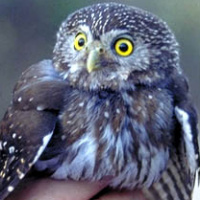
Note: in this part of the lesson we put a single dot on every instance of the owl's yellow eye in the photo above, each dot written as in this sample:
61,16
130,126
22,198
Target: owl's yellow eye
80,41
124,47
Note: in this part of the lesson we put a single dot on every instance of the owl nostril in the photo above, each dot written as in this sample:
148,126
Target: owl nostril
101,50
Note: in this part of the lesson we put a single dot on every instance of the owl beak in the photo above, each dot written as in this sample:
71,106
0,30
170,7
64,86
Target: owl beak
93,60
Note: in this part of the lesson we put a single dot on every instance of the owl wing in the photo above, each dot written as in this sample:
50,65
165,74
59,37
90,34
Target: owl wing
29,123
180,181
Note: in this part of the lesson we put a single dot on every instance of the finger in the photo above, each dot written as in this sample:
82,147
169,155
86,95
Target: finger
136,195
48,189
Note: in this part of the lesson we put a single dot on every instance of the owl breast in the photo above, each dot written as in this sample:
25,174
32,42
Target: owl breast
124,135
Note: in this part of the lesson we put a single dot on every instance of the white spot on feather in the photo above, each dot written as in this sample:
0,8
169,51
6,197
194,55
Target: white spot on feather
19,99
11,126
5,143
150,97
40,108
106,114
81,104
31,99
11,149
10,188
19,137
63,137
20,174
118,111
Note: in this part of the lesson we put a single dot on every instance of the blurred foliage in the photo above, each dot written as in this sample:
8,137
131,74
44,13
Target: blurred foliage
28,29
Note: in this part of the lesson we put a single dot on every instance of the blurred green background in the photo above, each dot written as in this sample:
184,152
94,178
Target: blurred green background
28,29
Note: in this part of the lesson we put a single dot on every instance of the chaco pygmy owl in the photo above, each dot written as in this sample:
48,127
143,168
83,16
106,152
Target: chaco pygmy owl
112,102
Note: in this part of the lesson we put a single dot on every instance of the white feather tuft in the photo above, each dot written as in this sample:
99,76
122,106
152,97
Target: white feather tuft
183,119
196,189
43,146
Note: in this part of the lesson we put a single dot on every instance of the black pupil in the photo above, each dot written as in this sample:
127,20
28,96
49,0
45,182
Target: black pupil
123,47
81,42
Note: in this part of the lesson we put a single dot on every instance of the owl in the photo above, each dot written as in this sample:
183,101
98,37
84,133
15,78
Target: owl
112,102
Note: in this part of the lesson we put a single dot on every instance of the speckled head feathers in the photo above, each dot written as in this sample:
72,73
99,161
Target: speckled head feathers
104,17
155,46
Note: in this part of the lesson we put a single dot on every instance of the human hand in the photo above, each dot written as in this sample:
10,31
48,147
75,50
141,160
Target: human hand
48,189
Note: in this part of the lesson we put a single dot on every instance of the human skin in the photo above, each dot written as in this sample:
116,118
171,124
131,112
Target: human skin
48,189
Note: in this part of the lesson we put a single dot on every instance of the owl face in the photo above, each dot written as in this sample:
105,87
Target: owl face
113,46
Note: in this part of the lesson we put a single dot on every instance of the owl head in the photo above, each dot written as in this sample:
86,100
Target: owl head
114,46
